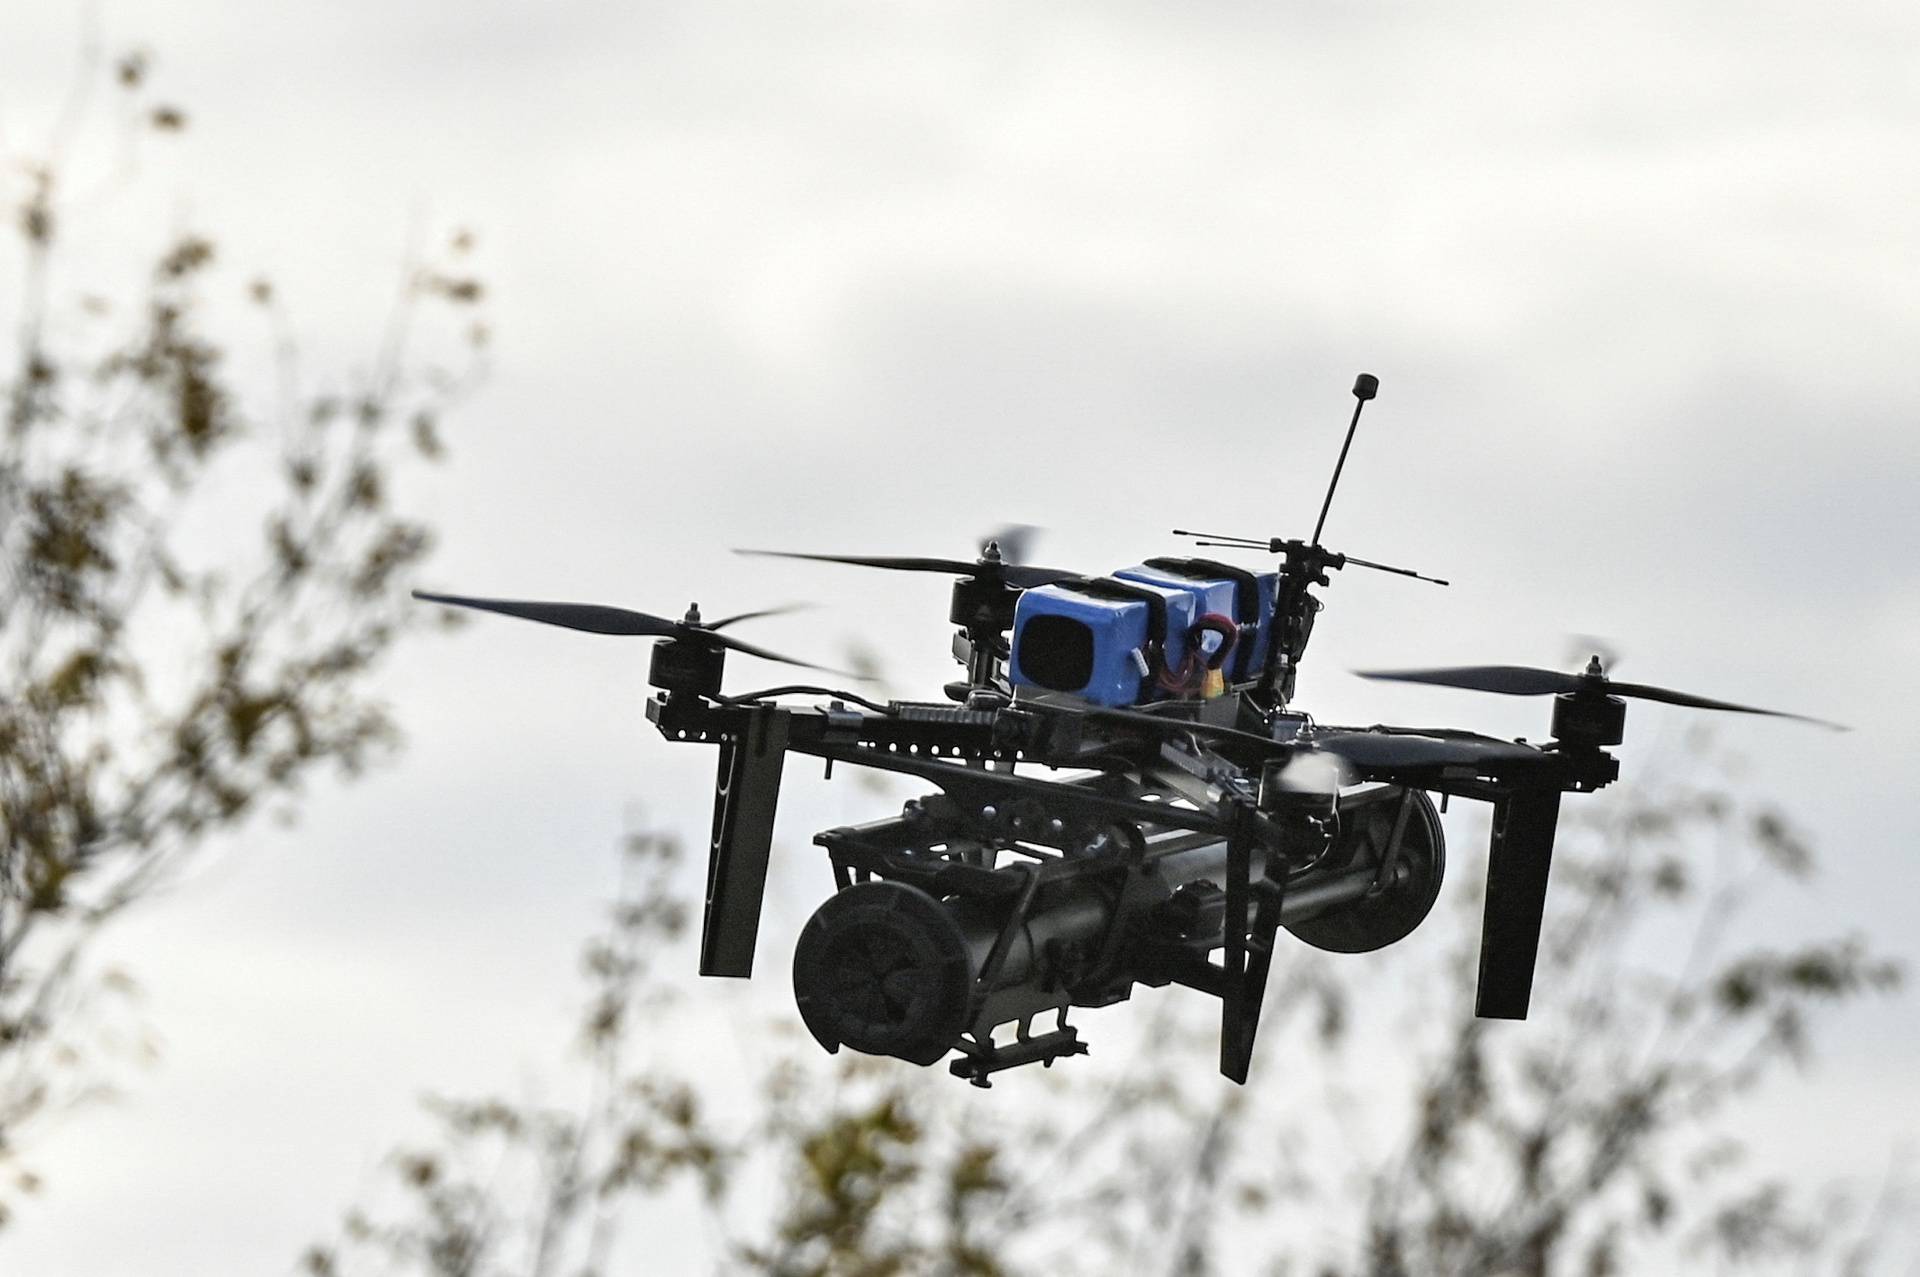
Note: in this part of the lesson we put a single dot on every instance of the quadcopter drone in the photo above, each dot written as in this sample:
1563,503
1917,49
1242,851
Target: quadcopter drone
1122,794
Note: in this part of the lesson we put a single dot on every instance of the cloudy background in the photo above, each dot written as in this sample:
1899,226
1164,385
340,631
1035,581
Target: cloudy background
1638,280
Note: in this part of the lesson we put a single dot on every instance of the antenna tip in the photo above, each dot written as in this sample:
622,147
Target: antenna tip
1365,386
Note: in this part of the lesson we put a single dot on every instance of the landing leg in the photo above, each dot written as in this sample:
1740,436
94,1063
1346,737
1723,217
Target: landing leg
1252,921
744,799
1521,853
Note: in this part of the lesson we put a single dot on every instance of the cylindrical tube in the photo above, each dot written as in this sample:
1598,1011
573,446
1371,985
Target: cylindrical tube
888,969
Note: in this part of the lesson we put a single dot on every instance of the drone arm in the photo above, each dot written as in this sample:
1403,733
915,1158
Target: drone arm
1521,852
745,796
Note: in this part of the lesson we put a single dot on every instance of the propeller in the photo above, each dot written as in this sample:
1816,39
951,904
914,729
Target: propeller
594,618
1523,680
990,565
1578,646
1014,540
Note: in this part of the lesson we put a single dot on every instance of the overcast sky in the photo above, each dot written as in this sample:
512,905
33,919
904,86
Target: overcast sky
1638,280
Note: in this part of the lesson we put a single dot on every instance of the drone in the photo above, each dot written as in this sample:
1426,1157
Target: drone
1122,794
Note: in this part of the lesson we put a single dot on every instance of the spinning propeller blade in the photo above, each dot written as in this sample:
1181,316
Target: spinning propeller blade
1014,540
1508,680
1024,576
594,618
1522,680
590,617
897,562
725,621
1642,691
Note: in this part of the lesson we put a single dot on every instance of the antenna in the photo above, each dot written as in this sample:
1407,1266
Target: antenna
1365,387
1385,567
1305,559
1225,538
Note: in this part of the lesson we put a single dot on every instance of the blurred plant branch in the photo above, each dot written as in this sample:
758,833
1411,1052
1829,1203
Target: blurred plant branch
193,589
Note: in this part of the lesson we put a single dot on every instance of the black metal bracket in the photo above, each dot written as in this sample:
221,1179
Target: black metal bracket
946,843
981,1058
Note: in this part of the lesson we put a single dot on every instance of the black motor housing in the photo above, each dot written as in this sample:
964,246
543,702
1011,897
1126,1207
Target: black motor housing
1389,915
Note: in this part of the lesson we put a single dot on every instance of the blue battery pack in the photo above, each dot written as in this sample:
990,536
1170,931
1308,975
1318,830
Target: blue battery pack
1095,639
1244,597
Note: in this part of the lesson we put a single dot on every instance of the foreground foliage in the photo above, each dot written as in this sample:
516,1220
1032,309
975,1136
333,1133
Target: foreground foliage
198,557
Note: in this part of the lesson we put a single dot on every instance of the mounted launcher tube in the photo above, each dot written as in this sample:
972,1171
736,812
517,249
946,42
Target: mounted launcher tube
889,967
